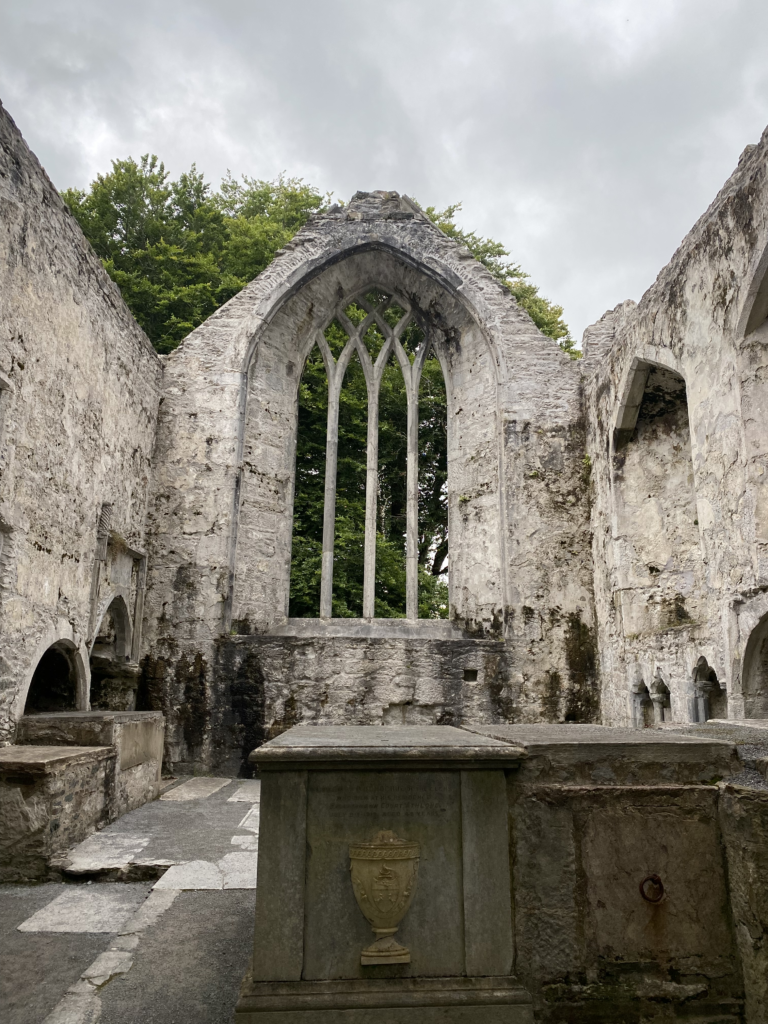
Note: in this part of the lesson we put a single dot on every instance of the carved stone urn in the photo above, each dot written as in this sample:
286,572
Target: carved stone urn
384,880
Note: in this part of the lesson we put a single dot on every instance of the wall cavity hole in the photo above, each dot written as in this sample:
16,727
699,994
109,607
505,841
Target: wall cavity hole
470,675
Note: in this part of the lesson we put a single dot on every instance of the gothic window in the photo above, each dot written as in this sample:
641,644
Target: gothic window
357,550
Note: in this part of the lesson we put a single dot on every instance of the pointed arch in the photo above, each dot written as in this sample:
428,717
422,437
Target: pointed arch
754,308
709,695
755,672
260,551
114,678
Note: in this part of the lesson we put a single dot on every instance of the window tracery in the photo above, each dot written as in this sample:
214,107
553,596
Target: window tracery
376,329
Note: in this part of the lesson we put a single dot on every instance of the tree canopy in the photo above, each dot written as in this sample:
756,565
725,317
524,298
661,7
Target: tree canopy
179,249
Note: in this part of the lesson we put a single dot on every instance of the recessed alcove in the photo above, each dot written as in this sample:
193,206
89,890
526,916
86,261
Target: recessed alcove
55,682
657,539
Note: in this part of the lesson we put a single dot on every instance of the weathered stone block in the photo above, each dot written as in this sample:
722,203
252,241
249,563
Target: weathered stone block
325,790
50,799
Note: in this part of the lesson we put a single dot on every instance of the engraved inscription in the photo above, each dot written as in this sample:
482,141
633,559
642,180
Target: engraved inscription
430,798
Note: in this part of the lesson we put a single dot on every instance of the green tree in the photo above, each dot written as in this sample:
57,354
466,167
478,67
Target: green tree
177,249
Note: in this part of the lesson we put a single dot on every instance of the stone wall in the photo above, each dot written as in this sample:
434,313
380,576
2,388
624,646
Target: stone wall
220,521
50,799
676,393
608,519
79,393
135,736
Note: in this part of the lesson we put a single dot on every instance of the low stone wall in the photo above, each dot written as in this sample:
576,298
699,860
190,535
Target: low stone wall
50,799
596,811
136,737
257,686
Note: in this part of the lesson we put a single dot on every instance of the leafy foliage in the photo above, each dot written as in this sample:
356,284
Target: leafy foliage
177,250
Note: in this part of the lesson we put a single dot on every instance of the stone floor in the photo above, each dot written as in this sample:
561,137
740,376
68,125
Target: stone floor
167,950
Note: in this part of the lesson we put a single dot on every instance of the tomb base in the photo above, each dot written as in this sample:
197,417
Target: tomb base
385,1001
384,833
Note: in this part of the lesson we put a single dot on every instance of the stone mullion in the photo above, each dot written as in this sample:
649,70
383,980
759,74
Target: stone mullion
335,374
329,505
412,500
372,478
371,497
411,376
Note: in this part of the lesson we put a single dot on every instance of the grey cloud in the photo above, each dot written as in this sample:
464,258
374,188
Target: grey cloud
587,135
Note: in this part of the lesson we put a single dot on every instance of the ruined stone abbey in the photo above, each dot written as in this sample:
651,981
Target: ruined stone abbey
608,517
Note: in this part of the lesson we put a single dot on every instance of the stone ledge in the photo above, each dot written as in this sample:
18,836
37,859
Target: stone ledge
353,747
46,760
368,994
600,754
584,737
385,629
91,716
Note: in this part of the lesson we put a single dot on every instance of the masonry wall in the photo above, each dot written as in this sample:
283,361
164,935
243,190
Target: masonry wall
79,393
221,515
680,512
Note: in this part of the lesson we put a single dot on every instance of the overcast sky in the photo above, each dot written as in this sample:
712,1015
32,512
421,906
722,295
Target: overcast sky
586,135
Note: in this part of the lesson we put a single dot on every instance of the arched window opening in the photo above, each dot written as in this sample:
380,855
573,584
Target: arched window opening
309,488
710,696
757,299
392,499
114,680
642,706
54,683
368,525
349,538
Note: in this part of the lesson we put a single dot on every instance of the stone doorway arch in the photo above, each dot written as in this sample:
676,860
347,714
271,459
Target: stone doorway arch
114,677
57,681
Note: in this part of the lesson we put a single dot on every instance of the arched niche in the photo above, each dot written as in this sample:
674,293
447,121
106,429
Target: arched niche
657,541
113,678
755,672
661,698
57,681
641,706
710,696
261,569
